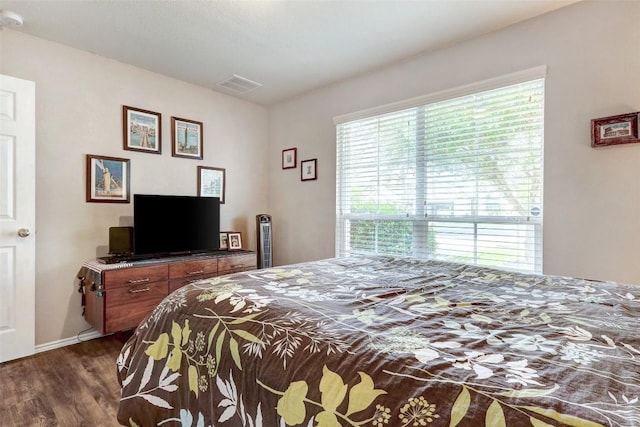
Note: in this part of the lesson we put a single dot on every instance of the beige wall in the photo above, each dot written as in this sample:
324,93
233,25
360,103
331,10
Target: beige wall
79,98
591,197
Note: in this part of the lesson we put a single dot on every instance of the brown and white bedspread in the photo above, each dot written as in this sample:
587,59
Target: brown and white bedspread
383,341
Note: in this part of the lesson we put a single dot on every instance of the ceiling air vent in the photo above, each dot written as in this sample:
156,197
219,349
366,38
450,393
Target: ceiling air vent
239,84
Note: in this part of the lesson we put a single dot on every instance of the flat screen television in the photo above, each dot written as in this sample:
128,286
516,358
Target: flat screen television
171,225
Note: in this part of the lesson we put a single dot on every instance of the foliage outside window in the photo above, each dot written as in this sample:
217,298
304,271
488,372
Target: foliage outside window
459,179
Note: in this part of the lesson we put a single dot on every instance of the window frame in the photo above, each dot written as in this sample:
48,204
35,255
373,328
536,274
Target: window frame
422,219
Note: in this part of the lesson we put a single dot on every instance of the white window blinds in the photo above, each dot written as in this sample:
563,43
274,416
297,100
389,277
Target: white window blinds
458,179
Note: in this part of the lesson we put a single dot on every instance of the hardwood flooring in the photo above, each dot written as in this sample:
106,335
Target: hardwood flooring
71,386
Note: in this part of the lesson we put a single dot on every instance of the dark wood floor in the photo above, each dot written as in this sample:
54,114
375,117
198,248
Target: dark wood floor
70,386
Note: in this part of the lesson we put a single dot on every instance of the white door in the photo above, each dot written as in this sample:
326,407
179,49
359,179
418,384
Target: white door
17,218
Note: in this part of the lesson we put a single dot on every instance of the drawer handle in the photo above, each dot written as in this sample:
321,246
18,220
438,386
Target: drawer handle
196,272
237,265
137,291
133,282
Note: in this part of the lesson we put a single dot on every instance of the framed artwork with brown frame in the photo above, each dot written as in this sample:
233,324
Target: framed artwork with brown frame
211,182
614,130
235,240
289,158
309,170
224,240
186,138
141,130
107,179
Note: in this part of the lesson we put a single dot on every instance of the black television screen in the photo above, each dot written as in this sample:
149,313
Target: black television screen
175,224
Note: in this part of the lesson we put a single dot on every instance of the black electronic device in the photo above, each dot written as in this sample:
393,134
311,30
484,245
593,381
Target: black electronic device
170,225
120,241
115,259
264,238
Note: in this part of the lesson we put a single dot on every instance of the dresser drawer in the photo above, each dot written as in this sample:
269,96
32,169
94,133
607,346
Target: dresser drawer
178,283
193,268
132,294
234,263
124,317
134,276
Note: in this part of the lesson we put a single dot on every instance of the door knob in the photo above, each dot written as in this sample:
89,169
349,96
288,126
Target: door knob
24,232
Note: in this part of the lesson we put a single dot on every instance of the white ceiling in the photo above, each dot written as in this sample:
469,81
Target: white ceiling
289,47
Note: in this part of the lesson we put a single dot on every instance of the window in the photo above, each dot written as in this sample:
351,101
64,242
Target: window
457,179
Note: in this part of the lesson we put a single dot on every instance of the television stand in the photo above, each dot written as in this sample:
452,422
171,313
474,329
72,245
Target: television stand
118,296
119,259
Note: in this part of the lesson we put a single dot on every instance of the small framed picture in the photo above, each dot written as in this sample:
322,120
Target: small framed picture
211,182
235,240
186,138
613,130
289,160
141,130
309,169
107,179
224,240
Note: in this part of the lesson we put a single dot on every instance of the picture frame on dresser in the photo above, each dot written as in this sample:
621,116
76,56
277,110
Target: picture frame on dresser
186,138
107,179
235,240
141,130
224,241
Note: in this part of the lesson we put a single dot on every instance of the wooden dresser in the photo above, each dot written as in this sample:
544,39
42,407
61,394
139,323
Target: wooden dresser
119,297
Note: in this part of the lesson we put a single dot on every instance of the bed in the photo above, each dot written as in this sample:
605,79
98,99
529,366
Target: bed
386,341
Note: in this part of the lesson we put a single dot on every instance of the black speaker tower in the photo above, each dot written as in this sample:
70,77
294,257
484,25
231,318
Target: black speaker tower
264,238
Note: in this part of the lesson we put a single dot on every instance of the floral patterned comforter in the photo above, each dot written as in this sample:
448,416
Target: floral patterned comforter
383,341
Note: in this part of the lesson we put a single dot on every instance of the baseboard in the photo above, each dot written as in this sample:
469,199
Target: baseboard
68,341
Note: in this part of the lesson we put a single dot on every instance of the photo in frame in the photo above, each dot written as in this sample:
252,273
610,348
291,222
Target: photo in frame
224,240
211,182
186,138
141,130
289,160
107,179
235,240
614,130
309,169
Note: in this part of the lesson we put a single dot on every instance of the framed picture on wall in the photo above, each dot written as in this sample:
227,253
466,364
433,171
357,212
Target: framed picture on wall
235,240
107,179
186,138
211,182
309,169
141,130
289,160
613,130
